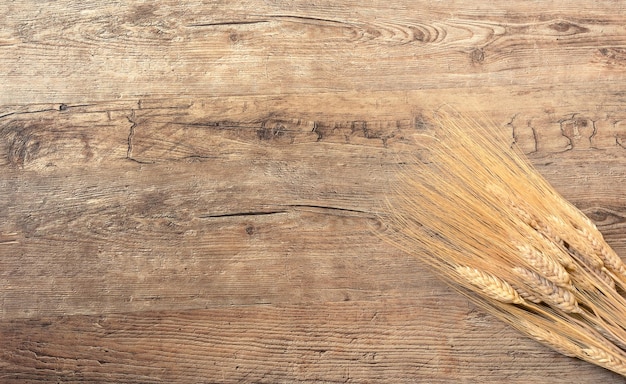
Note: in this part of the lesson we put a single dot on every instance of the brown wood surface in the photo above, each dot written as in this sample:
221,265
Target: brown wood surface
189,190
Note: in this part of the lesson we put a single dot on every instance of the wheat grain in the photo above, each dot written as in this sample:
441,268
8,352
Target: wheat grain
606,254
519,209
525,216
544,265
577,246
524,213
490,285
603,274
559,253
593,279
549,292
605,359
524,294
555,341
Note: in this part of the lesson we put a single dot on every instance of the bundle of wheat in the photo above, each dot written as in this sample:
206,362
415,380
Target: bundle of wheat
481,217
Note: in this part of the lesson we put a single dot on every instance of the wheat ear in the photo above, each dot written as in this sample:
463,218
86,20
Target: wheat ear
545,265
490,285
481,217
549,292
608,360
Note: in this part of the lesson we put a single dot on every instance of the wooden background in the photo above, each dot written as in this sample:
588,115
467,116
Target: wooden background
189,189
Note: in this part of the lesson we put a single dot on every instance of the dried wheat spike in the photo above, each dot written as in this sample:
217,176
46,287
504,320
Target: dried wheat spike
545,265
523,212
578,247
606,254
524,215
490,285
518,208
560,254
577,217
590,260
555,341
549,292
604,275
609,336
524,294
582,281
480,215
605,359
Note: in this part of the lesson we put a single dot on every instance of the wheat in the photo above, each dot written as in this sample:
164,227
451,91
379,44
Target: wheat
605,359
593,279
578,247
604,275
549,292
490,285
554,340
606,254
546,266
484,220
526,295
560,254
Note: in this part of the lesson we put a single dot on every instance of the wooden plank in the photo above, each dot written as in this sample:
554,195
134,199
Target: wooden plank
190,190
65,51
388,340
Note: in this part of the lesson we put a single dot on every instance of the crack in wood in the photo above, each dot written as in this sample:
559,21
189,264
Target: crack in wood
330,208
131,136
227,23
27,112
237,214
307,19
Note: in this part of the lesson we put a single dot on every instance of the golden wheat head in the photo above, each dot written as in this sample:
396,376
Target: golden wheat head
482,218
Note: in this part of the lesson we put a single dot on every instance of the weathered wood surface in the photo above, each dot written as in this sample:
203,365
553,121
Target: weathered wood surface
190,189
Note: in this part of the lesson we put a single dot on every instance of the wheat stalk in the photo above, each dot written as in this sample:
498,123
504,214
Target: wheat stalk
482,218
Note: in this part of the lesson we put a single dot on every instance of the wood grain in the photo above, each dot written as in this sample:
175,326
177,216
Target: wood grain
68,49
377,341
191,189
